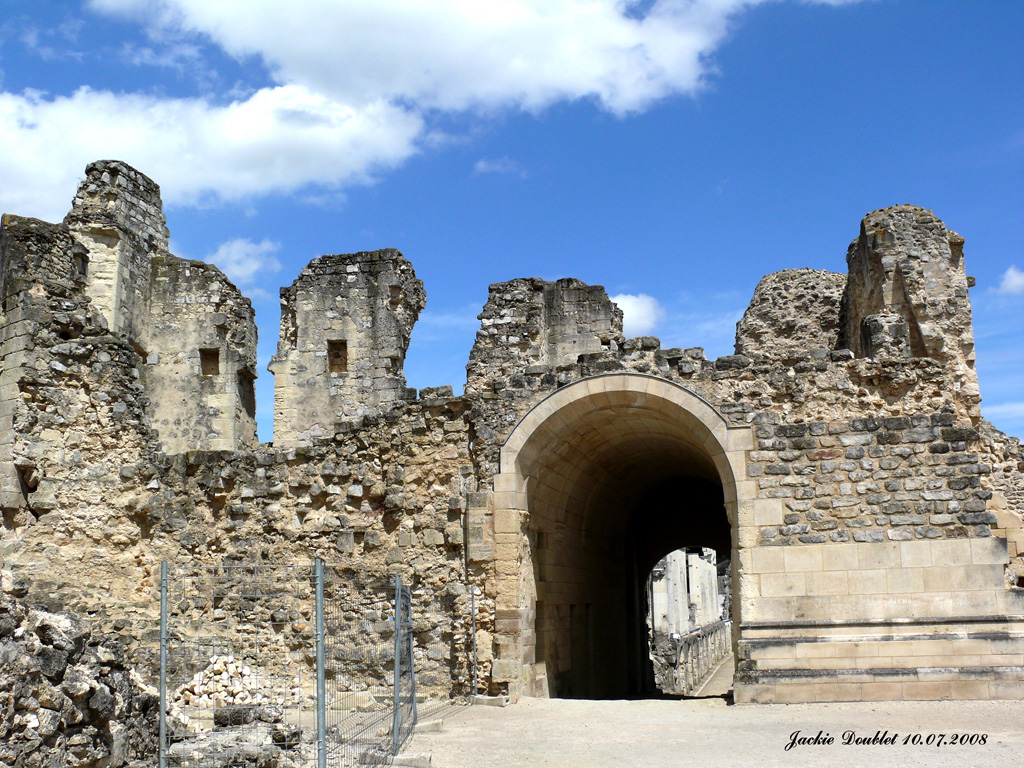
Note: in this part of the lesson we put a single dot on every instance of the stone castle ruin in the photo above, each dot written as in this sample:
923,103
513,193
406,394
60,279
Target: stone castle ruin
838,459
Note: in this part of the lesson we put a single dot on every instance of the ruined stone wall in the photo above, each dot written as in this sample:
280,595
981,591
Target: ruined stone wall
861,465
388,499
345,327
78,449
201,363
118,222
529,327
72,391
68,695
77,410
819,412
856,449
792,312
1006,481
384,498
27,247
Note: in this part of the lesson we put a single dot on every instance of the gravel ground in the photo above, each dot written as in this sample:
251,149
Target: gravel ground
710,733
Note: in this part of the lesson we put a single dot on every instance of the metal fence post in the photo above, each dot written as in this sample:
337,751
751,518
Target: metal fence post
412,668
396,725
163,664
472,609
321,687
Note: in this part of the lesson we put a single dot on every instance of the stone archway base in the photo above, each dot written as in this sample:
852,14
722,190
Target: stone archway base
815,620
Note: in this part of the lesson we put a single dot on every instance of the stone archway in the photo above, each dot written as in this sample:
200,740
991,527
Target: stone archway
571,541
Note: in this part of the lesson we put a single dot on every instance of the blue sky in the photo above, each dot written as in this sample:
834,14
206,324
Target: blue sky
671,150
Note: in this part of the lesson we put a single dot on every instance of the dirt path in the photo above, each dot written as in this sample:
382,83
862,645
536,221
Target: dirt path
710,733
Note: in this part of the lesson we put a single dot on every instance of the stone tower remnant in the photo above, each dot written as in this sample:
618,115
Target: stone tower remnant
530,325
345,328
907,293
190,335
119,228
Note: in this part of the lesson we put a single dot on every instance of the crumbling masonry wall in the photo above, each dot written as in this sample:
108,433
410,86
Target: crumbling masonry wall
907,293
119,227
530,325
345,328
68,695
791,312
175,313
872,517
201,365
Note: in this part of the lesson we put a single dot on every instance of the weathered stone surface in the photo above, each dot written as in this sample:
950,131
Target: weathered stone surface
531,323
792,312
854,443
906,296
67,695
345,328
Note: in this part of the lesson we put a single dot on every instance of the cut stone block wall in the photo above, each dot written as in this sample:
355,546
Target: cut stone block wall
914,619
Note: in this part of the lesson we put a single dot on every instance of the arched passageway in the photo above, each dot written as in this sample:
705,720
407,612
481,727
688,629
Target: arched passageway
616,472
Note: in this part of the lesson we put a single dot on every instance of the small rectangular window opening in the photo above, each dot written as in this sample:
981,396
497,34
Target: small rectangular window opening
81,266
209,362
337,357
247,391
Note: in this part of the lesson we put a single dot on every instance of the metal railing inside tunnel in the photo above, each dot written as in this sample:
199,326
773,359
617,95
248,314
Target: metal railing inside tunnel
698,652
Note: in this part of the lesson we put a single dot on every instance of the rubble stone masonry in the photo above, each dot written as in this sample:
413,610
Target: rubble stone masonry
873,518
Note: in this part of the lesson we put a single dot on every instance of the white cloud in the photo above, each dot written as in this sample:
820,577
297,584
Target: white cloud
459,54
641,313
178,56
35,41
352,86
244,261
278,140
185,59
1012,282
501,165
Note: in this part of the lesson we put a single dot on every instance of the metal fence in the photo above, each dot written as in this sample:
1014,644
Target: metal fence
237,646
272,666
370,705
698,652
